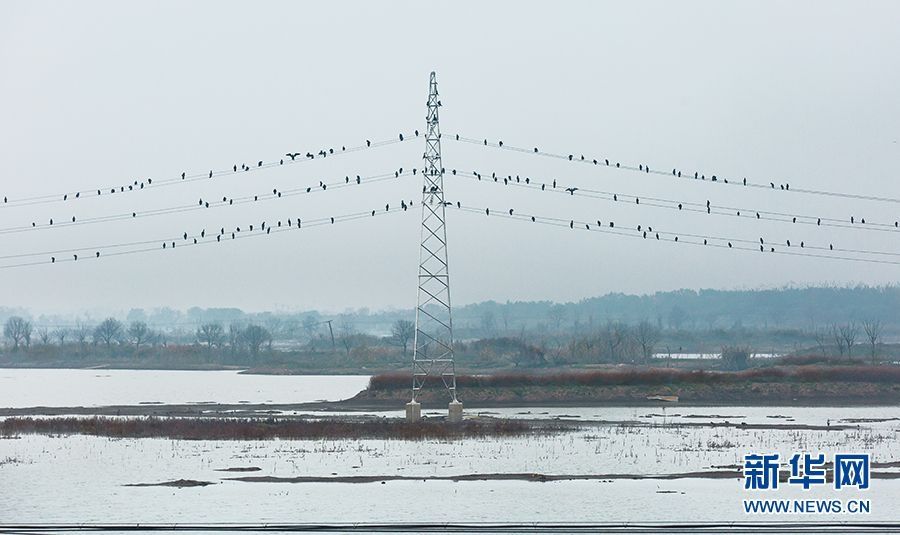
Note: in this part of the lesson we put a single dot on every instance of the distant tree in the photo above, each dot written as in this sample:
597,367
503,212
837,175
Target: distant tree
110,330
44,335
849,333
488,323
235,338
346,333
255,336
211,334
61,334
18,331
838,336
677,317
821,337
81,332
646,335
138,333
873,334
557,315
402,332
310,326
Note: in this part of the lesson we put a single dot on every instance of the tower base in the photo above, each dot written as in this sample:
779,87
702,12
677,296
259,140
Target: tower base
455,414
413,411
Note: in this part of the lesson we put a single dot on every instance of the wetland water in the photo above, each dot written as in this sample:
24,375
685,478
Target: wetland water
626,449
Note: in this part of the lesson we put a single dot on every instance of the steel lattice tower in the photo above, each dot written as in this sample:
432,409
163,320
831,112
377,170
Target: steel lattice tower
433,342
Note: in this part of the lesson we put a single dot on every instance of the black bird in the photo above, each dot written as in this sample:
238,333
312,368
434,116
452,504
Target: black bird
615,197
607,161
794,220
535,149
532,219
570,157
729,245
235,168
98,252
851,219
612,224
487,211
772,184
572,224
571,190
679,206
292,155
133,214
417,133
73,219
554,183
332,221
368,143
510,211
259,164
745,181
543,187
831,246
52,259
819,221
182,176
458,204
75,256
210,174
401,137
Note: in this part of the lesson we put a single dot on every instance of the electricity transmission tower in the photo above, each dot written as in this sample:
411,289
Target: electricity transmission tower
433,342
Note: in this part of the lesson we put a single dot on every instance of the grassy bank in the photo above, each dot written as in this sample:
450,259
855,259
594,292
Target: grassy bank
816,385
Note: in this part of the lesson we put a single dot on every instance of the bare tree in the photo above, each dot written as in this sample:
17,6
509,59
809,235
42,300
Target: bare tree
44,335
402,332
61,334
873,334
646,335
488,323
109,331
18,331
211,334
138,333
346,333
557,315
837,335
849,333
81,332
255,336
821,337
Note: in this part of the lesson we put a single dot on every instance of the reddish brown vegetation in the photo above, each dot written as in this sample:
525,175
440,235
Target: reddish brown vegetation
263,428
659,376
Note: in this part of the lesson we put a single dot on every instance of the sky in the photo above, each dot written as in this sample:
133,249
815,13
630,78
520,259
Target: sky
105,93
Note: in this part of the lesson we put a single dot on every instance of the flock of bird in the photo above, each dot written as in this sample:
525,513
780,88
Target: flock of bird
657,202
676,173
431,191
185,177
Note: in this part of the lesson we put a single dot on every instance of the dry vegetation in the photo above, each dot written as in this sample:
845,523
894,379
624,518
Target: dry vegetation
268,428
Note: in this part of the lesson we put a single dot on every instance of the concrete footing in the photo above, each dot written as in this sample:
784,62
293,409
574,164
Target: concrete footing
455,413
413,411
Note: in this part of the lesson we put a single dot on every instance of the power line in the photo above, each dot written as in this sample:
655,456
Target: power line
553,186
207,204
148,183
203,238
673,237
675,173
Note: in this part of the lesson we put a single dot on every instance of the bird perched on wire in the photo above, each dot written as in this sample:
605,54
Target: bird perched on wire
571,190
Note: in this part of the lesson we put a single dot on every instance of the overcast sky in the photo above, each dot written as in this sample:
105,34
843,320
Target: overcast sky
103,93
